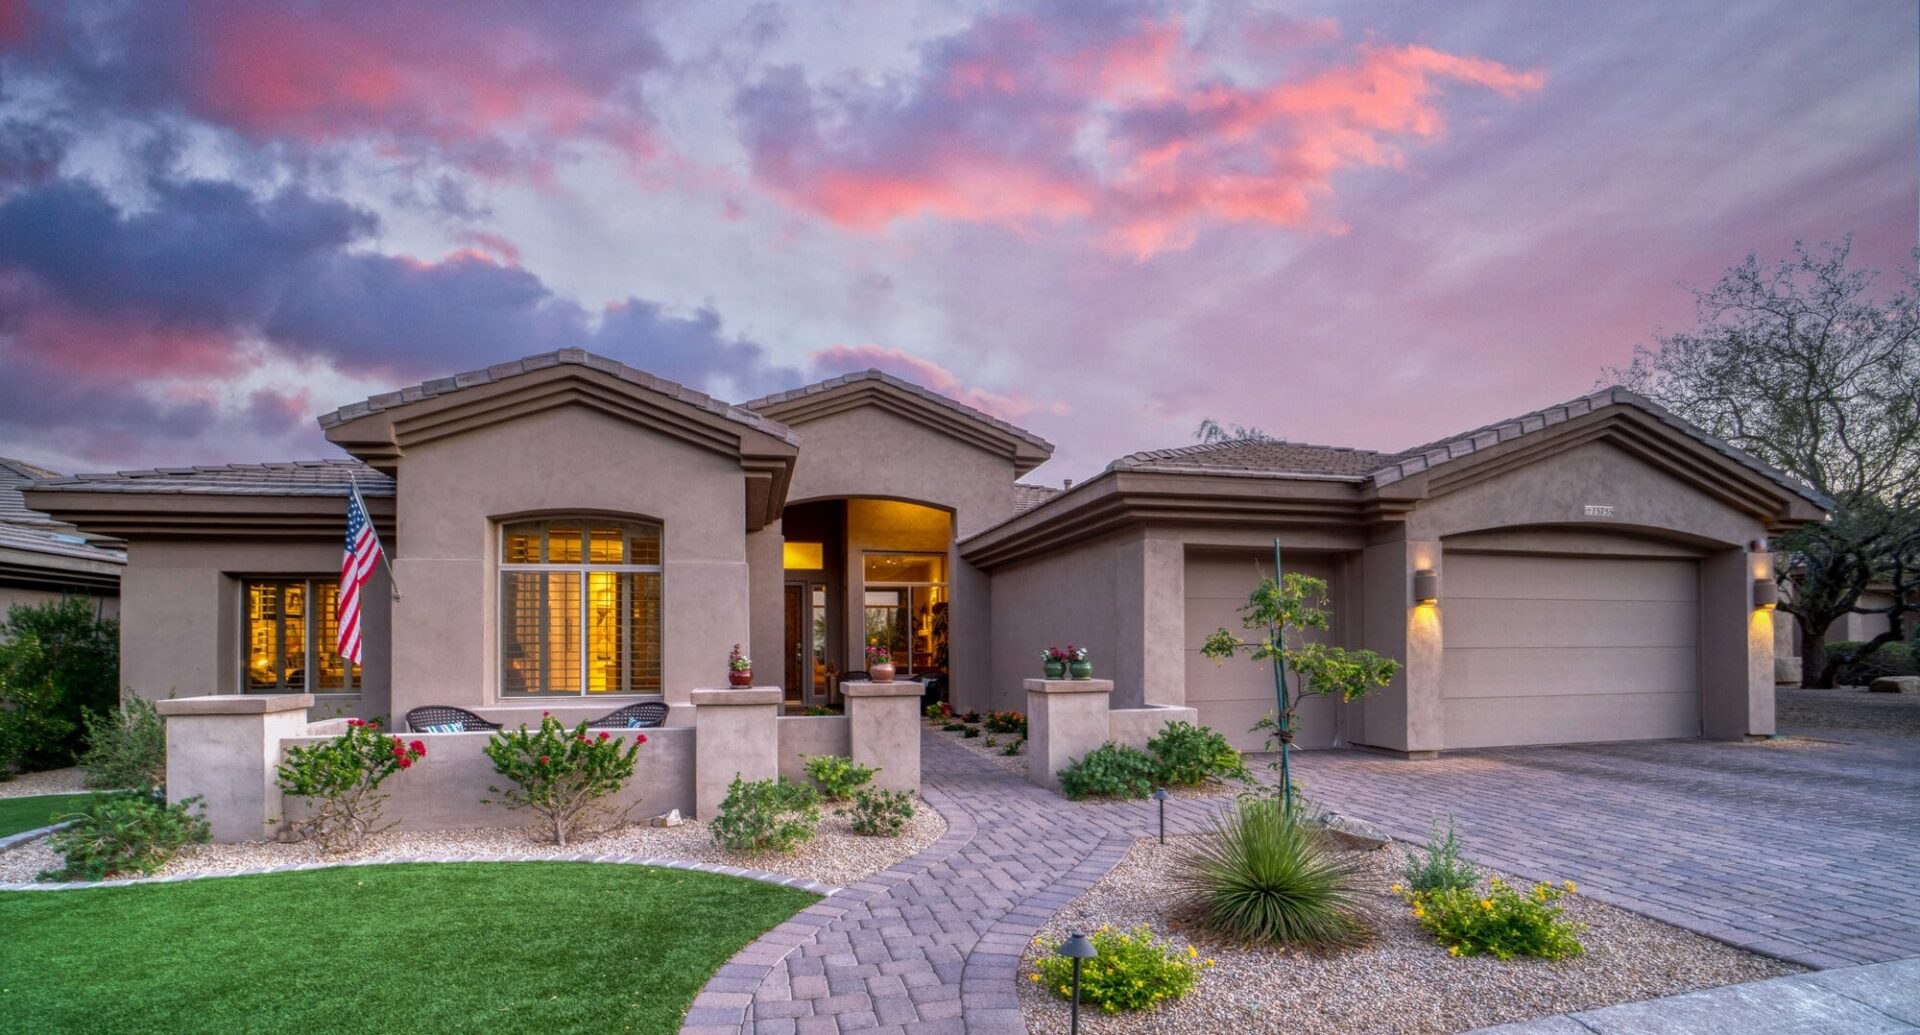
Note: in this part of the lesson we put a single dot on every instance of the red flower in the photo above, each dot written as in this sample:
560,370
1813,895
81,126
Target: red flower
405,762
545,714
419,748
641,739
399,752
355,722
604,734
373,724
543,759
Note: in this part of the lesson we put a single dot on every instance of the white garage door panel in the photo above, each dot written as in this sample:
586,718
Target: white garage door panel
1568,623
1502,722
1521,672
1562,650
1507,577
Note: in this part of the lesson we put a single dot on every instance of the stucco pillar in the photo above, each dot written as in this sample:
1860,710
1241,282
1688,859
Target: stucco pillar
1736,647
1150,604
1408,715
1066,718
885,721
767,608
226,749
736,734
969,636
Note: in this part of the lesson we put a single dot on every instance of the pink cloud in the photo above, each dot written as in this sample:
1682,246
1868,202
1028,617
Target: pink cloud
839,359
1126,125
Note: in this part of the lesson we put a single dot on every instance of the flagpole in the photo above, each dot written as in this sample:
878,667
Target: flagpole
393,584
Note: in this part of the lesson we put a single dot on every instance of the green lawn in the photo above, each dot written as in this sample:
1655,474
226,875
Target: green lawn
17,814
450,947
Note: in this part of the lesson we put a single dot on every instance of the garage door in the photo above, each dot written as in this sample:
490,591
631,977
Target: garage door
1560,650
1232,697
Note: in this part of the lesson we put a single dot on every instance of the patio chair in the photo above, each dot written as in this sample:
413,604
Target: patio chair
435,718
645,715
855,677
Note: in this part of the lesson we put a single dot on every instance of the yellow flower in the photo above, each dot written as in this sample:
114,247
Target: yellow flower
1035,977
1453,950
1210,963
1396,889
1192,952
1569,886
1486,903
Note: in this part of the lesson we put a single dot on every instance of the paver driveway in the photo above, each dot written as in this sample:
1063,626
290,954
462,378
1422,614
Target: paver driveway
1810,853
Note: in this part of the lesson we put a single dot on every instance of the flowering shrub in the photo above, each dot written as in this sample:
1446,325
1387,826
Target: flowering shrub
341,779
738,662
1505,921
1132,972
1007,722
1054,654
1190,755
564,776
879,656
1109,771
939,711
972,717
878,812
766,814
837,775
133,832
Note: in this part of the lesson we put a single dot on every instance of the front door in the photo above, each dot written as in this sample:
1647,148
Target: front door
795,643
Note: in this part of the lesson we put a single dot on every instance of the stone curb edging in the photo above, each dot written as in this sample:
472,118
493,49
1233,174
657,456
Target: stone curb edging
722,1004
13,841
826,891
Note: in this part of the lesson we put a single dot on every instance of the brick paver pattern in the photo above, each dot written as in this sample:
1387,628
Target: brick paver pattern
1809,853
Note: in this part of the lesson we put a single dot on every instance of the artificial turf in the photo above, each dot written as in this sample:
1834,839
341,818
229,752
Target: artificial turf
18,814
432,947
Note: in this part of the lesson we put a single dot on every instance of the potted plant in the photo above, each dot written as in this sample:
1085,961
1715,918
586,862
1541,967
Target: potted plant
739,668
880,664
1053,662
1078,665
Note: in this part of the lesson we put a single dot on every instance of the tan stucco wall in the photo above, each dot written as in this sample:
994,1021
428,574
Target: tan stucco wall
181,616
1231,696
801,736
574,460
1072,595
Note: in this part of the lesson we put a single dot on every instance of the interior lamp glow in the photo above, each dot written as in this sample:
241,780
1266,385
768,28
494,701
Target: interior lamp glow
802,556
1426,586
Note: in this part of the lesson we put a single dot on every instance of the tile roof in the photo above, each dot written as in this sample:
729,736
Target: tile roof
1027,496
576,357
22,528
1271,458
292,478
928,394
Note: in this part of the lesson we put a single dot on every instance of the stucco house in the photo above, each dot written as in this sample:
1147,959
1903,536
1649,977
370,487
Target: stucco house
44,560
568,534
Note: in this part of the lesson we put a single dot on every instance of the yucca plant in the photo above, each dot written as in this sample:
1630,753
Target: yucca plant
1260,876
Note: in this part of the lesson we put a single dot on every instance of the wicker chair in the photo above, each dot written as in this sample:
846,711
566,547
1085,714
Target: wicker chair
442,714
650,714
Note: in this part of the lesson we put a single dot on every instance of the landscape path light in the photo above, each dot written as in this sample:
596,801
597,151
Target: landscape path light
1078,949
1160,795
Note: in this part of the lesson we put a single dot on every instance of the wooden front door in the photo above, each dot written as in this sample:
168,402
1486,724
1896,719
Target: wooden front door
794,644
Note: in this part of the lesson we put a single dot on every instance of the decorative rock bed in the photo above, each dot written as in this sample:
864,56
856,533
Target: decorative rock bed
1401,981
54,781
834,856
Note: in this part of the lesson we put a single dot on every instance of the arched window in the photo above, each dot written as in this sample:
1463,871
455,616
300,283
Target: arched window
579,608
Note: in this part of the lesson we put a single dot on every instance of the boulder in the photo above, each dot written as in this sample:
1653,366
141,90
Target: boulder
671,819
1895,685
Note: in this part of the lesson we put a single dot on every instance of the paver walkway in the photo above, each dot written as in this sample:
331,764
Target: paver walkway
916,946
1807,853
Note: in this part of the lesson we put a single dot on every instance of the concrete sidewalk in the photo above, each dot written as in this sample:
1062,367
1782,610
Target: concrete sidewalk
1867,1000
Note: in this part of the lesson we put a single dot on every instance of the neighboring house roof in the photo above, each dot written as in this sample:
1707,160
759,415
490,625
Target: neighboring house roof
441,386
37,548
847,391
291,478
1258,458
1027,496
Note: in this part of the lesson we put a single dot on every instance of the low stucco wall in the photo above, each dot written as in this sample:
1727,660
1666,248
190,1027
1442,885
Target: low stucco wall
811,735
1135,726
444,792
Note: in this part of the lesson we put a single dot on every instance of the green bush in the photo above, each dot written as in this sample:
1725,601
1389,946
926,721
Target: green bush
1006,722
58,662
760,815
878,812
1503,922
341,778
953,727
1189,755
969,732
1441,868
1109,771
837,776
1014,748
563,776
1132,972
128,747
971,717
124,834
1890,659
938,711
1260,876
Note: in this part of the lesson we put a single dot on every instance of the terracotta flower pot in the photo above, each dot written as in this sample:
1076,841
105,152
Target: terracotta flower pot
881,673
735,678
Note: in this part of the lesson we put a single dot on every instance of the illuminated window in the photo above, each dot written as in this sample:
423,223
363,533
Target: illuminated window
291,629
579,608
802,556
906,608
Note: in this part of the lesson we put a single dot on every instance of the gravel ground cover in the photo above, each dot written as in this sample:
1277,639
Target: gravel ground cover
53,781
1847,709
1400,982
836,855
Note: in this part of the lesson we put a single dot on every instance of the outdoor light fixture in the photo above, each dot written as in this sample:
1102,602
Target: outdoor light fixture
1766,594
1160,795
1078,949
1426,586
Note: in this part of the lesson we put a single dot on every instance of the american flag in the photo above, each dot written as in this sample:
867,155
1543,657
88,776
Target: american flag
363,552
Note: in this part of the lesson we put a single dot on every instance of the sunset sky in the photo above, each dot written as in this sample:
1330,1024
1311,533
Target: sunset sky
1365,223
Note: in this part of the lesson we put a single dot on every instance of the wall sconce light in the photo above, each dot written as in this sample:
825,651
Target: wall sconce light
1426,586
1766,594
